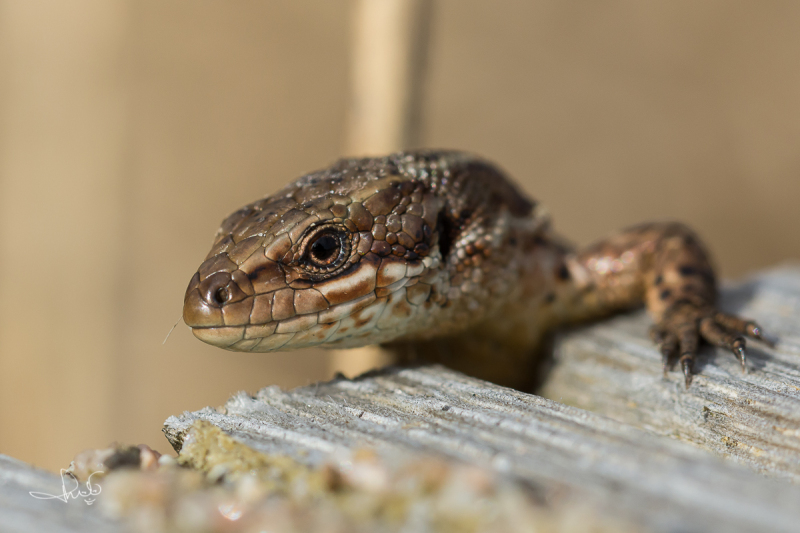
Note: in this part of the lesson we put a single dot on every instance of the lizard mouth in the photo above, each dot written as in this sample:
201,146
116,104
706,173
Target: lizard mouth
224,308
345,325
263,337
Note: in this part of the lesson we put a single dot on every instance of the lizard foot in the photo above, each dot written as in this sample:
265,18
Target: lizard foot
684,324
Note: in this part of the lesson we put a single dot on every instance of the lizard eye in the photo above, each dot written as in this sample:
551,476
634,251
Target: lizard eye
327,249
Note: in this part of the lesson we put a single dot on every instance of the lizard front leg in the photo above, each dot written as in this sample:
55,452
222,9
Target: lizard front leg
665,266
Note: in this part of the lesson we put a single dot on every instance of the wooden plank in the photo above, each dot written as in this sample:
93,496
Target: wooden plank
389,51
542,461
658,483
613,368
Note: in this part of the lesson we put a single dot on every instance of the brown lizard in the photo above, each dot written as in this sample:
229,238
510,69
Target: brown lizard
438,256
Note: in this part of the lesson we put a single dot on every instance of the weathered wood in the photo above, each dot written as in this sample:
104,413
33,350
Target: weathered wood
569,458
659,483
614,369
21,512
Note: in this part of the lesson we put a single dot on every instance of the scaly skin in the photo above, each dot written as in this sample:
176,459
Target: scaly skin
437,256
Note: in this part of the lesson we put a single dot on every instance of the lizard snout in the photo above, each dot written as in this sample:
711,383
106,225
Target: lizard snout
215,299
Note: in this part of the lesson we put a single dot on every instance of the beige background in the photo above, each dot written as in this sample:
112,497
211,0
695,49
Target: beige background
129,129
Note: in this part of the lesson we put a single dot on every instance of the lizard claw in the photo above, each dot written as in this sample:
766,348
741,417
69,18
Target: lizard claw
738,351
756,332
668,344
685,325
686,366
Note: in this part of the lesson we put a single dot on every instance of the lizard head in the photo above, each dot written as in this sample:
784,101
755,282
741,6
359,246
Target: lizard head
344,257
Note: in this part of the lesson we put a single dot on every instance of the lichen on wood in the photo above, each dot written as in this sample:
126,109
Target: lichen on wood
562,453
429,449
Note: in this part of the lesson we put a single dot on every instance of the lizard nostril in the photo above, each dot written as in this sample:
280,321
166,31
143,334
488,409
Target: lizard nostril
221,295
220,289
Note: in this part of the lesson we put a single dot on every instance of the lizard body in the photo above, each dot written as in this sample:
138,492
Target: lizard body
438,256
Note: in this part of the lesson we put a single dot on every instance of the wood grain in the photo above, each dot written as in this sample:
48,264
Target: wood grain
665,459
632,464
612,368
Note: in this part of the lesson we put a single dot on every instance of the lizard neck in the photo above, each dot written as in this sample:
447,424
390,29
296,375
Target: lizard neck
503,345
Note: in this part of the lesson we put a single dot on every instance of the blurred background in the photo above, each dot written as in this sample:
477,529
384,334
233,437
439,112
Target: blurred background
130,129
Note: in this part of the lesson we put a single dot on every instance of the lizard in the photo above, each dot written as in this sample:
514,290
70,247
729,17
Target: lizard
438,256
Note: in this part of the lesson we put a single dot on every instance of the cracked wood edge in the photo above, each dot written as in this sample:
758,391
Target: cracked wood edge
563,451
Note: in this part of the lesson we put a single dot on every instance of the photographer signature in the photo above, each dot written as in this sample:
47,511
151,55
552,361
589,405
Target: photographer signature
75,492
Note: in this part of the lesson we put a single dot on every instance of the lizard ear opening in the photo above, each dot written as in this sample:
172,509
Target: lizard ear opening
445,230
